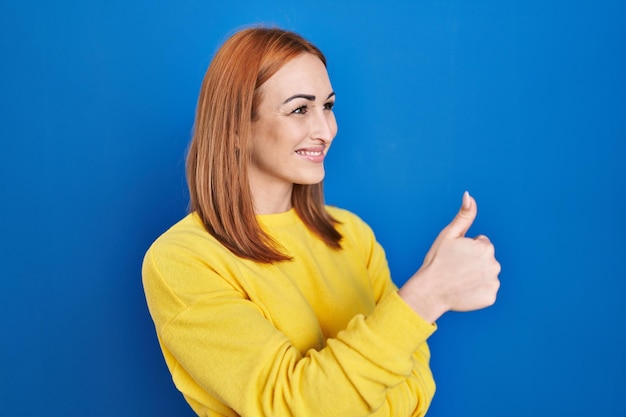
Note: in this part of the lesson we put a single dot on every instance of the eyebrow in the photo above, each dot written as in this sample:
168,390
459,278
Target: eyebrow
306,97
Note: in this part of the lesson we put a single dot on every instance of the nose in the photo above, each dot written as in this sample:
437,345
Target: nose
323,126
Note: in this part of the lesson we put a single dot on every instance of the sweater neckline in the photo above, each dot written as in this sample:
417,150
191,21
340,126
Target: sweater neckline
285,218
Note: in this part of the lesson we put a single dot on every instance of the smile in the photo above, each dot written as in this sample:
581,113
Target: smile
309,153
314,155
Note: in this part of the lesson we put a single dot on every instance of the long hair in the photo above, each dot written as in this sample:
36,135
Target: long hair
219,153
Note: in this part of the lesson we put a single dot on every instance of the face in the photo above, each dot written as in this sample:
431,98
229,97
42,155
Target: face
294,128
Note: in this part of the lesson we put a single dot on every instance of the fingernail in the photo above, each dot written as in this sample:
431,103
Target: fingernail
466,200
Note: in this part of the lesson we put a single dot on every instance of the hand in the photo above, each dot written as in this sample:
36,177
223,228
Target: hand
458,273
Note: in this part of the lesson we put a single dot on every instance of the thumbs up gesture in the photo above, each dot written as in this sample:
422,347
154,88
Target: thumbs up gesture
458,273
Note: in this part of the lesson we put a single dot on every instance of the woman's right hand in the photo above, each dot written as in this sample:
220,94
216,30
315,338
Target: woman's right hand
458,273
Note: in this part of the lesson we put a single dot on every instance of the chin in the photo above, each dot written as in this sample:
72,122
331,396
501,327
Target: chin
310,180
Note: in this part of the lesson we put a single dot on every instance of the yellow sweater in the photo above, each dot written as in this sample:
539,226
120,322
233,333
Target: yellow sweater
323,335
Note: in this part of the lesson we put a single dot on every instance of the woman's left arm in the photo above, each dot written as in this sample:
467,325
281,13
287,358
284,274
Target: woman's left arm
420,387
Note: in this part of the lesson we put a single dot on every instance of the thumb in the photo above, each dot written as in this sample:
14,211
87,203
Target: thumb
463,219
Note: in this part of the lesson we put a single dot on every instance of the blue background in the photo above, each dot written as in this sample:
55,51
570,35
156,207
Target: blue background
521,102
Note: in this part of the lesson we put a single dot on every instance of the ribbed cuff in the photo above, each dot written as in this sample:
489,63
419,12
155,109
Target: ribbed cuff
397,323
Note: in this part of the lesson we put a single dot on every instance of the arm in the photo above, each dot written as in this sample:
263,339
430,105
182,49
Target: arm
226,349
419,388
458,274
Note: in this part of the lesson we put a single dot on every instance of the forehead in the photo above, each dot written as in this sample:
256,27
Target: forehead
303,74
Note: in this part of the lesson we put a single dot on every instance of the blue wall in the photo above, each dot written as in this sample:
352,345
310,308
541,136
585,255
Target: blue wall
523,103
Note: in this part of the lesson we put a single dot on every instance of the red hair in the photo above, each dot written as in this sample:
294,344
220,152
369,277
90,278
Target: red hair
217,162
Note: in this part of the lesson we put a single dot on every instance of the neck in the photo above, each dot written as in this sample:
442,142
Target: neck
268,200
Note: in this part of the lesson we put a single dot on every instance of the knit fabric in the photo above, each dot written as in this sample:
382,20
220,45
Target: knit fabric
325,334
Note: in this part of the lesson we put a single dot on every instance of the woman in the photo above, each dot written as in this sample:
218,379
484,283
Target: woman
267,302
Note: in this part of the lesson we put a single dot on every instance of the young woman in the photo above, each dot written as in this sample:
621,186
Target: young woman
266,302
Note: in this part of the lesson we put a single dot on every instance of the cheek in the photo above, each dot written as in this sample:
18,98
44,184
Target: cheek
260,145
271,141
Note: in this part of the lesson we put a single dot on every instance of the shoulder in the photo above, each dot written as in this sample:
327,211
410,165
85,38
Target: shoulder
359,239
186,261
188,232
350,224
185,243
342,215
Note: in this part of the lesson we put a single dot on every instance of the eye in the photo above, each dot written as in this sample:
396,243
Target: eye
329,105
300,110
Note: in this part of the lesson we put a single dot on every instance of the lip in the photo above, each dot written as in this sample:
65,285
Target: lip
314,154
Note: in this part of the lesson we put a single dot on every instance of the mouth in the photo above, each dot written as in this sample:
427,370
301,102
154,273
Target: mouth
315,154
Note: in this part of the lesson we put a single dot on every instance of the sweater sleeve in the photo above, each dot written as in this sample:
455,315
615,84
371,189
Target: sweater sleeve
222,346
420,385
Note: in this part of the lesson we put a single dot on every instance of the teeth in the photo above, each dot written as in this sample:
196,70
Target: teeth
309,153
